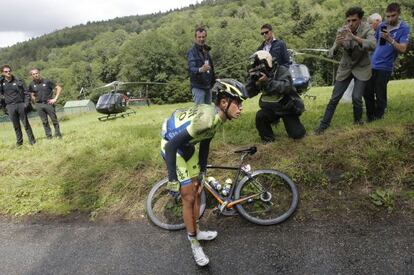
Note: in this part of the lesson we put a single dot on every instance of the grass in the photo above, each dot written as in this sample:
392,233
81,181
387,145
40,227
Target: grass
107,168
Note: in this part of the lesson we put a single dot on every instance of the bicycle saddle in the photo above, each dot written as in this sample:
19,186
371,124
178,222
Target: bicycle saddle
250,150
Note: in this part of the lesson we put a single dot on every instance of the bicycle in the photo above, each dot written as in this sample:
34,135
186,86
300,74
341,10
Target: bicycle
264,197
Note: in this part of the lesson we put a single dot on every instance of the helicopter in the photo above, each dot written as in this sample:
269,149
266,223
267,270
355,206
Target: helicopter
114,104
300,72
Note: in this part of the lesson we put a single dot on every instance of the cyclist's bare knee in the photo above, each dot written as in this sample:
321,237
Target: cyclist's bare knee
187,194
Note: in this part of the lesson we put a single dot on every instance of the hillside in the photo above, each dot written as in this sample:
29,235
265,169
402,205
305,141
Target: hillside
104,170
153,47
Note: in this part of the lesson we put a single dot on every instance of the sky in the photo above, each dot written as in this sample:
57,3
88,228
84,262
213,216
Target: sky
32,18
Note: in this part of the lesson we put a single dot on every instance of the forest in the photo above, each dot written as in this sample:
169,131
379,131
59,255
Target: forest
153,47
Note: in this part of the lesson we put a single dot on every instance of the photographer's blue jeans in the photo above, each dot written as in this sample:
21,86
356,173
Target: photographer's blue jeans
337,93
201,96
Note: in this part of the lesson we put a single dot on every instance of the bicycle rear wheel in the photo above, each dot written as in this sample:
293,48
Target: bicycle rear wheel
276,197
166,211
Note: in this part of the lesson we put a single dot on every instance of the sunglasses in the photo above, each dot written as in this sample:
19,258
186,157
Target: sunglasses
391,15
263,33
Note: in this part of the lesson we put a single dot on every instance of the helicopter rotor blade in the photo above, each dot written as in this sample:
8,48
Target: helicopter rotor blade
113,83
315,50
320,58
144,83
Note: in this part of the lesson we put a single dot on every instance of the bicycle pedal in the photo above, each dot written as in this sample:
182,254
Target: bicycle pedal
229,212
222,206
216,211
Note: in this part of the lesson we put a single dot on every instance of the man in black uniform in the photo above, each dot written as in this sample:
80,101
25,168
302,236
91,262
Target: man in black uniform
279,99
17,100
2,102
42,93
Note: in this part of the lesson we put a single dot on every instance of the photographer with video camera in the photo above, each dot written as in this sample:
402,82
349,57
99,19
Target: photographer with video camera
279,99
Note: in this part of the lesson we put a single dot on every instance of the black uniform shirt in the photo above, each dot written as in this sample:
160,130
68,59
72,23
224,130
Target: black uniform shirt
42,89
13,90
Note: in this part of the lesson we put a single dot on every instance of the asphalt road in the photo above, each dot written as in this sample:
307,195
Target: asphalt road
379,247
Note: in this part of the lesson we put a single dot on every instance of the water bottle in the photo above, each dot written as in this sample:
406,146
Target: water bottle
214,183
226,187
207,63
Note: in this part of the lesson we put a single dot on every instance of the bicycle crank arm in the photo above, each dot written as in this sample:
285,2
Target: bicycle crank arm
230,205
222,206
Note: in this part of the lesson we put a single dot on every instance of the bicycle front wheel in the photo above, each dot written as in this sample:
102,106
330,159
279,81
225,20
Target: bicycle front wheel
166,211
273,197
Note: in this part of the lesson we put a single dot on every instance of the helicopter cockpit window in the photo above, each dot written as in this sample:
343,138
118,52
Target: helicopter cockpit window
299,71
304,70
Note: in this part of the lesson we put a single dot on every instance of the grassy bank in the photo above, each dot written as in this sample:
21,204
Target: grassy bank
107,168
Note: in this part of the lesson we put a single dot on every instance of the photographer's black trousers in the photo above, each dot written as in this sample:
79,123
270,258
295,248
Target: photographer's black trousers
44,110
375,94
17,113
265,118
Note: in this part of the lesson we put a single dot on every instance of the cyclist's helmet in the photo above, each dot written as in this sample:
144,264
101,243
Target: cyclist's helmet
261,58
229,88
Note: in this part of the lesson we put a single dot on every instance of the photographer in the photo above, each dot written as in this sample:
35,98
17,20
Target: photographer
279,99
392,39
355,39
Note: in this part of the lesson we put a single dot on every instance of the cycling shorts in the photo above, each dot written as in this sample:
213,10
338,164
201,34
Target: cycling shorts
186,169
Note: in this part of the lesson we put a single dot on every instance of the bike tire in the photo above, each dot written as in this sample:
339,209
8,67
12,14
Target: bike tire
165,211
281,203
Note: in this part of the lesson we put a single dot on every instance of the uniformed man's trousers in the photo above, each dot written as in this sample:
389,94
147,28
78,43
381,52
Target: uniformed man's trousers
17,112
44,110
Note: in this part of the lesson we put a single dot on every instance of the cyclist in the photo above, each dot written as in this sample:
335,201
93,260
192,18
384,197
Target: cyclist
186,169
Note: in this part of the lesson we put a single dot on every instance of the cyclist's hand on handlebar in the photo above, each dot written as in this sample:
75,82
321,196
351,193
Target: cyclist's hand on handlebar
201,178
173,186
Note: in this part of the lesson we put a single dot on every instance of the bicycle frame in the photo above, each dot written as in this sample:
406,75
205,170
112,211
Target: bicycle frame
228,202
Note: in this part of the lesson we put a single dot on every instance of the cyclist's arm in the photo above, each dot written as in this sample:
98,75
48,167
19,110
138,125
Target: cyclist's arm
171,149
203,154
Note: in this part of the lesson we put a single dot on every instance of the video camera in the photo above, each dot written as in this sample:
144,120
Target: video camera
258,66
256,72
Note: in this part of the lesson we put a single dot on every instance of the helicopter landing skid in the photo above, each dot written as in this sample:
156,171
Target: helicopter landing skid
114,116
309,96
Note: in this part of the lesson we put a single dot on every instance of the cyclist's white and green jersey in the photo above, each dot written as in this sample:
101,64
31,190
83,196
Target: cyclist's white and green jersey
186,127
